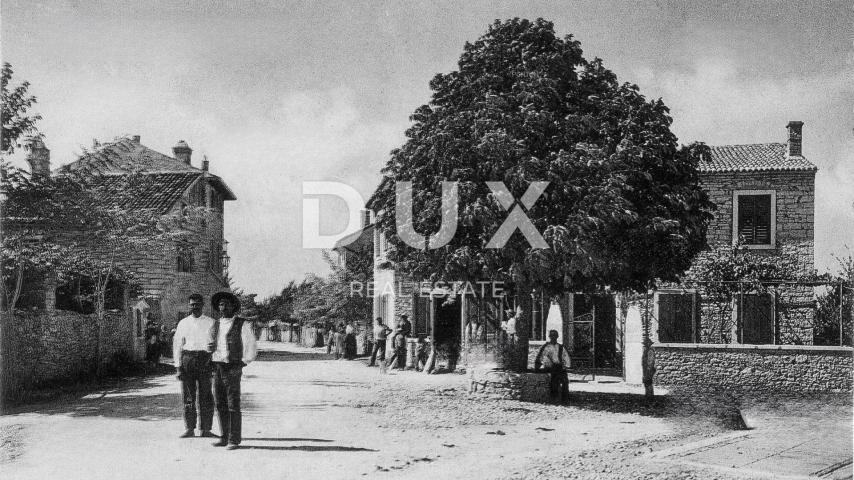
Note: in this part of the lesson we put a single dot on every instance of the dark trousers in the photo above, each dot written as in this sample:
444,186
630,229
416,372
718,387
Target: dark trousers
559,384
227,393
379,348
397,359
196,379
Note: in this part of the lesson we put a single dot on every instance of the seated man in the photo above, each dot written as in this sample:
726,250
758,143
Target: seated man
555,360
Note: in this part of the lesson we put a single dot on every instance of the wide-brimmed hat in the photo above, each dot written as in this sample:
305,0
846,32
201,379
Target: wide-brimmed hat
235,302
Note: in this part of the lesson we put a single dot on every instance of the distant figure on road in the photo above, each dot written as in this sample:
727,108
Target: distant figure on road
337,341
330,339
422,354
405,325
349,341
152,343
398,356
191,350
235,347
554,359
381,331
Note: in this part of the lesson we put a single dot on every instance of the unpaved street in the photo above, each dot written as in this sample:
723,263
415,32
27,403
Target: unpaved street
307,416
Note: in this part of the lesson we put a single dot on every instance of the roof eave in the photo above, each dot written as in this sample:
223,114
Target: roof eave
220,184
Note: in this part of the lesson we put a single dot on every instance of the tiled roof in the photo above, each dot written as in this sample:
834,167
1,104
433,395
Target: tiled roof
158,191
752,158
163,179
123,156
357,240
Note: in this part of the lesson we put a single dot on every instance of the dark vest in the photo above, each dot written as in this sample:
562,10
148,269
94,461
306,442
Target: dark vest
233,340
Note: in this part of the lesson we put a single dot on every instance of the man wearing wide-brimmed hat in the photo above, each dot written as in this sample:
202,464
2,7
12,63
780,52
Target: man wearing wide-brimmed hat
234,348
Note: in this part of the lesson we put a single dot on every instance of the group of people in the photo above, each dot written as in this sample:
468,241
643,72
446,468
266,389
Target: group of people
400,335
208,351
341,341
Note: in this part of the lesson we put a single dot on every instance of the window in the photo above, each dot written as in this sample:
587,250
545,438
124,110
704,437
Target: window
754,218
184,258
76,294
138,316
215,257
384,307
678,316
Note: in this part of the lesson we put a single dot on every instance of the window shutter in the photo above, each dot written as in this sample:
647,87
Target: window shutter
677,314
754,219
745,218
762,208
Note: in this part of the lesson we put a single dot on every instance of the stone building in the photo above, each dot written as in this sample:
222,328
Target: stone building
765,198
62,333
197,264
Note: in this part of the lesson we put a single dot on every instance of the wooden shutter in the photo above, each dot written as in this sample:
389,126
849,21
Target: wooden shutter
745,218
677,317
762,209
754,219
756,315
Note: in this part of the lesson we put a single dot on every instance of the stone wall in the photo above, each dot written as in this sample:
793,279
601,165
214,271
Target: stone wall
41,347
500,384
795,192
755,368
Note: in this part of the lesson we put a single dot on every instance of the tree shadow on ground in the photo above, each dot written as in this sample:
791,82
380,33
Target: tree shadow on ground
124,398
286,439
281,356
310,448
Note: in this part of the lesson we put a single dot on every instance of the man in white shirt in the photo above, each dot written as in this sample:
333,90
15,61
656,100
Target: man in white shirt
235,347
555,360
191,349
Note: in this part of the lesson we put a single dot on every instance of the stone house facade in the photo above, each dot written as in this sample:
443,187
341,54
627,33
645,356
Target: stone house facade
196,264
164,278
765,198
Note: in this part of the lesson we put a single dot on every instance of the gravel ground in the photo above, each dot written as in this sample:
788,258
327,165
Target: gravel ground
307,416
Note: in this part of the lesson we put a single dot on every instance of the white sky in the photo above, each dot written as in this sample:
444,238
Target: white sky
277,93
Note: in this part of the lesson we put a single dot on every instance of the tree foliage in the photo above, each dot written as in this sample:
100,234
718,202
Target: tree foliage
729,269
79,225
829,317
623,205
16,103
325,299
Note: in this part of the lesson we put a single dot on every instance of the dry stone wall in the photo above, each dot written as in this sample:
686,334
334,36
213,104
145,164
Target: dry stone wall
754,368
41,347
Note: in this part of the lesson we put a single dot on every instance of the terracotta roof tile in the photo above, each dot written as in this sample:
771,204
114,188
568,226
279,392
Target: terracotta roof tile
123,156
753,157
158,191
165,179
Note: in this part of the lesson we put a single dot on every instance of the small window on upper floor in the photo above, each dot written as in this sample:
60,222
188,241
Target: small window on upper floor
184,258
754,218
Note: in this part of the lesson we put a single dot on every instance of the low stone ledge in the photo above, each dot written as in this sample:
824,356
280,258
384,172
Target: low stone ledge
736,347
507,385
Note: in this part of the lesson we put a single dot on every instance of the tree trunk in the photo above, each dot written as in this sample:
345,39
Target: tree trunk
511,353
647,358
16,292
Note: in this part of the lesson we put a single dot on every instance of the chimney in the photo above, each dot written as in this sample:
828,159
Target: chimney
182,151
38,156
135,138
794,128
205,163
366,218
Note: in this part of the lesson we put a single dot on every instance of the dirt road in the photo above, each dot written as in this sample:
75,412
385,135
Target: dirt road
307,416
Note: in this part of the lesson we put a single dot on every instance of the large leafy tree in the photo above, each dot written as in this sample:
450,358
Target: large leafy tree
16,102
622,207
